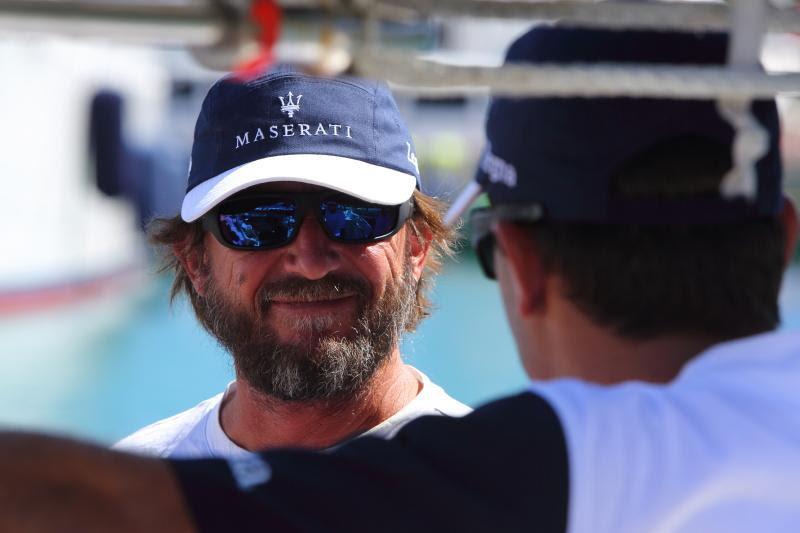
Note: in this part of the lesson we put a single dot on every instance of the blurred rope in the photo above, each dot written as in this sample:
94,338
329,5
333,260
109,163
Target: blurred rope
605,14
159,23
577,80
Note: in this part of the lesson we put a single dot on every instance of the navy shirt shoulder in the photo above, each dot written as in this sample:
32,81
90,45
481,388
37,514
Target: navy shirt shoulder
502,468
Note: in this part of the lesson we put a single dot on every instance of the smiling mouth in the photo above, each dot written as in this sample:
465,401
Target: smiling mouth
328,306
300,301
303,298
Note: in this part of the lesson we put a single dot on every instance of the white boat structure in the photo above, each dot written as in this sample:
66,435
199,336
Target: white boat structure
63,239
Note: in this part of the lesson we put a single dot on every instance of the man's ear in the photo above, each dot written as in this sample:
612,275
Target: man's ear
524,266
193,259
789,221
419,245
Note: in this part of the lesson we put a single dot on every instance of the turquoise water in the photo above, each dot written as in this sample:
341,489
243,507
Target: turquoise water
102,369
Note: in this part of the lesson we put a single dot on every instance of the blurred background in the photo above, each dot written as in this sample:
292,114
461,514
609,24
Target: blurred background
95,137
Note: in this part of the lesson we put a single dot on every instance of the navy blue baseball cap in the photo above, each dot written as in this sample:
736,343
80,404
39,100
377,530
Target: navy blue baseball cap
345,134
562,154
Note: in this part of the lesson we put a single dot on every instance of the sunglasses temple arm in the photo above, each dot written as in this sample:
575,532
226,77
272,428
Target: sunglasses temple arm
462,203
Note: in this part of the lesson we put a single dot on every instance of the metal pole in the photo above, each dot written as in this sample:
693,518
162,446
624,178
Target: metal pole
145,23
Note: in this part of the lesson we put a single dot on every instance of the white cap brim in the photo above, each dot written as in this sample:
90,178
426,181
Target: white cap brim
368,182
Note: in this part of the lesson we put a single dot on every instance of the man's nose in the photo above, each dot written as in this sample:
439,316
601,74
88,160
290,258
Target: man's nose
312,254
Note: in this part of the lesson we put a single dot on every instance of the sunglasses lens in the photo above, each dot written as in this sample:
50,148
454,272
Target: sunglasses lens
485,251
262,226
349,221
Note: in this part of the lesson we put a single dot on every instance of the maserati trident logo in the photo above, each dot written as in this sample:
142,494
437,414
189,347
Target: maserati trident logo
292,105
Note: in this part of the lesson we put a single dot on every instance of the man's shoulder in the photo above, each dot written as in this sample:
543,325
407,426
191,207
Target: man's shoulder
777,351
431,400
437,401
455,472
731,413
170,435
522,421
765,365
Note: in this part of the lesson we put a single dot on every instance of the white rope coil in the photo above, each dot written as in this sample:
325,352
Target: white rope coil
612,15
750,144
751,139
433,79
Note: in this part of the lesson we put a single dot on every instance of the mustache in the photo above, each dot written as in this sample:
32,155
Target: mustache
330,287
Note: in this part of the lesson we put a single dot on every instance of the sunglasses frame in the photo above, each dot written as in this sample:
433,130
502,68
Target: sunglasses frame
304,202
483,220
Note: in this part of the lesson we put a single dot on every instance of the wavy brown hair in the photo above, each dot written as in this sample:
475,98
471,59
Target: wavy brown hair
174,238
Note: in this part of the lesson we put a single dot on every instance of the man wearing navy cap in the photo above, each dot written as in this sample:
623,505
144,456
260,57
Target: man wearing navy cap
303,246
662,400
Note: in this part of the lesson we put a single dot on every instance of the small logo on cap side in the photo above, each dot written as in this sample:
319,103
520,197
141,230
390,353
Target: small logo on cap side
412,157
292,106
498,170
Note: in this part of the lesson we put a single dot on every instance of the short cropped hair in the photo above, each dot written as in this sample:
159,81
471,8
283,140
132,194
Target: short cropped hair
426,222
720,280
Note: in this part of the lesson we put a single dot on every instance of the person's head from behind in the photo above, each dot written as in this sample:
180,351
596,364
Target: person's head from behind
614,206
303,244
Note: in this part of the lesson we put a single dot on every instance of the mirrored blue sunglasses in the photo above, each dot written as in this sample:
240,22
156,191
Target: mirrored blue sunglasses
261,222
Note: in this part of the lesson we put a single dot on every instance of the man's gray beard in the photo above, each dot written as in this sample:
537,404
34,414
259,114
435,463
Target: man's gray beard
326,367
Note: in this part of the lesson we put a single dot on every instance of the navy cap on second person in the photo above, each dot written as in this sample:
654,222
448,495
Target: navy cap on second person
561,154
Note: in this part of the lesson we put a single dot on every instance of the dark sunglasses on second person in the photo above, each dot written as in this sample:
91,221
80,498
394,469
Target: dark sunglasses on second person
482,238
262,222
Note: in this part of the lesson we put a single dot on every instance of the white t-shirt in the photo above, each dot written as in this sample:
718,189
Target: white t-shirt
715,450
197,433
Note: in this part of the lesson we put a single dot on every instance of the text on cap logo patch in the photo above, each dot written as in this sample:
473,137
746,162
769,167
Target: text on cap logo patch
498,169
